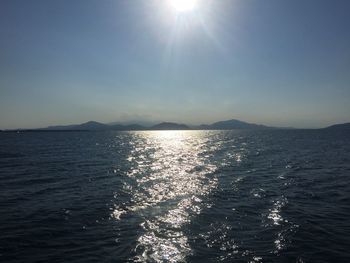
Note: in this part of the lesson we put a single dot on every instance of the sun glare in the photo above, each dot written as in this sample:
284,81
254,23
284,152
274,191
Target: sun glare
184,5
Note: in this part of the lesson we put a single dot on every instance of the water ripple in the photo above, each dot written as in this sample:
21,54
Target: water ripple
182,196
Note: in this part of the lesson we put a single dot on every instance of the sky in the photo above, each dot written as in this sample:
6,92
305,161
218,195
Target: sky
274,62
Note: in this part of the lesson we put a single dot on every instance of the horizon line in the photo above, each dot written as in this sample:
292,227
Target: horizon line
155,123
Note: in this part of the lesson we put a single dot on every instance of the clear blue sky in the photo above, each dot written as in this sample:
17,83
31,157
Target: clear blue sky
276,62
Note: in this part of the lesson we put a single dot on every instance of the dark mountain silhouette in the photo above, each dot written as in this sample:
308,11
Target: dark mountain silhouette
220,125
97,126
169,126
343,126
233,124
90,125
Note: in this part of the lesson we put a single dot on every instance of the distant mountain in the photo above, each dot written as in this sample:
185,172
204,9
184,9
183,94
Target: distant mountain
169,126
233,124
220,125
90,126
344,126
97,126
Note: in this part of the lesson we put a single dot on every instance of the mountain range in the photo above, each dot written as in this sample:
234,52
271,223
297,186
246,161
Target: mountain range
220,125
97,126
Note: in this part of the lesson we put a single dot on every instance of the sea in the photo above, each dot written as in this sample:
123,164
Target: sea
175,196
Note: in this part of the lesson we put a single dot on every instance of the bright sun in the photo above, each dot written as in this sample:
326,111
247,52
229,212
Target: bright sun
184,5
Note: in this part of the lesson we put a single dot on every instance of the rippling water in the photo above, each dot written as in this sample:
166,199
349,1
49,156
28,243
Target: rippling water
175,196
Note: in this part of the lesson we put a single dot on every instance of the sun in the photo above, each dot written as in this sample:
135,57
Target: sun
183,5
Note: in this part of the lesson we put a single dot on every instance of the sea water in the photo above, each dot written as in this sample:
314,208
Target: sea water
175,196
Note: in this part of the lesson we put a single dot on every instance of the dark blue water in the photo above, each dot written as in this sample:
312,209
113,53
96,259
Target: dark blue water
192,196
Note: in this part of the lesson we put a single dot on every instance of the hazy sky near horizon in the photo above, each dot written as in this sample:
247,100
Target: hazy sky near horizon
276,62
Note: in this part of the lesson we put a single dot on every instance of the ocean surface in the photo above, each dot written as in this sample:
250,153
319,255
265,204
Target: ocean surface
175,196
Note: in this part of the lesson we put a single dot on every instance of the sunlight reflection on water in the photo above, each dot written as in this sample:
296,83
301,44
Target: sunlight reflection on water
174,179
170,174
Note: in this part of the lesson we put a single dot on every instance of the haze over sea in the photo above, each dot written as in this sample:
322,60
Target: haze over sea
175,196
